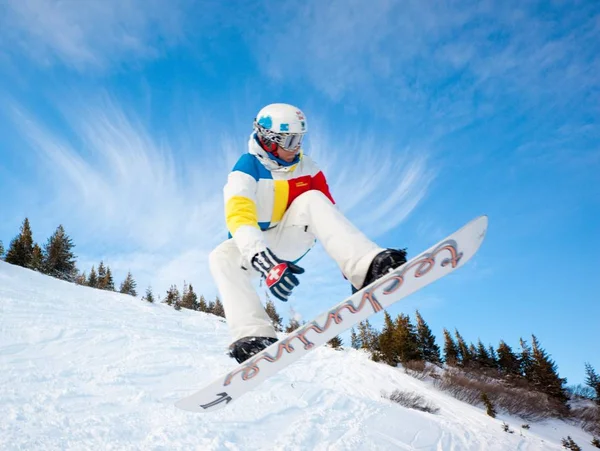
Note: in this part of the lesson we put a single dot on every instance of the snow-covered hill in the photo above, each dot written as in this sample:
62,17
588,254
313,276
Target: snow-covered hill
83,369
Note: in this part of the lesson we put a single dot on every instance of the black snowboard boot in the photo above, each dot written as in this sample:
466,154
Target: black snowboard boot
383,263
246,347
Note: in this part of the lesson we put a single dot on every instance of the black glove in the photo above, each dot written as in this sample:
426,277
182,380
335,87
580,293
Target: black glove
278,274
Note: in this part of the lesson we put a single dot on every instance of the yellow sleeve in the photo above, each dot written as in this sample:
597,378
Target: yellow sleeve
241,214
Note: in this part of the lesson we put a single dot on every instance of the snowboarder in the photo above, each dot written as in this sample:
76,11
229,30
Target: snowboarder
277,204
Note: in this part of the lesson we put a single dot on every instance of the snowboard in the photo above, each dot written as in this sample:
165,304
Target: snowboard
436,262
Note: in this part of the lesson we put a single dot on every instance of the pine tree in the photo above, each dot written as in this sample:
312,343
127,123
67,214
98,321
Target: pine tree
189,300
479,356
37,259
493,357
93,279
354,340
407,339
525,361
184,294
570,444
508,362
149,296
211,307
491,411
218,308
592,380
101,276
292,325
464,354
545,373
389,341
335,342
173,297
202,306
482,356
473,354
107,282
193,298
59,260
368,336
275,317
20,250
1,250
81,279
430,352
450,349
128,285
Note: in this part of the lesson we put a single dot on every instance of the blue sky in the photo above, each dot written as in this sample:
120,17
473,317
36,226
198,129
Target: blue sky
121,120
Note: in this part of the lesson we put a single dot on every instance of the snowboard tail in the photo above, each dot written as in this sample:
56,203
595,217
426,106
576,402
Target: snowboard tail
436,262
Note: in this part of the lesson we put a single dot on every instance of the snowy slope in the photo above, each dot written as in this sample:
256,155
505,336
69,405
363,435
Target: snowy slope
82,369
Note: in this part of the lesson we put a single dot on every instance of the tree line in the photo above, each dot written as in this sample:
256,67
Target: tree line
57,259
188,299
402,342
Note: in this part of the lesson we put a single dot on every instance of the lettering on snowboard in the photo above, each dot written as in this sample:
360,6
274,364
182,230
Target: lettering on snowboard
421,267
221,397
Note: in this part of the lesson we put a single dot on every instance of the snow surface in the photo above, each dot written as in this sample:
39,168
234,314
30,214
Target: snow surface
84,369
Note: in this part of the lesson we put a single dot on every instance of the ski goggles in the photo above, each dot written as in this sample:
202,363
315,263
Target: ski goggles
289,141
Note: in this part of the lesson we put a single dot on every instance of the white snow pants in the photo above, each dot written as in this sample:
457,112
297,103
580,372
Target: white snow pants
310,216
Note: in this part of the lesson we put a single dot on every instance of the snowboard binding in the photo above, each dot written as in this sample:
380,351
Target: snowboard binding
246,347
383,263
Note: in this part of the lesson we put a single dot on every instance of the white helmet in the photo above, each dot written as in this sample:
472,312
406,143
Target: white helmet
280,124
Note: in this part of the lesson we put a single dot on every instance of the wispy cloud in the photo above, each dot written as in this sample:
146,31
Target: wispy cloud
432,61
126,194
376,189
96,34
